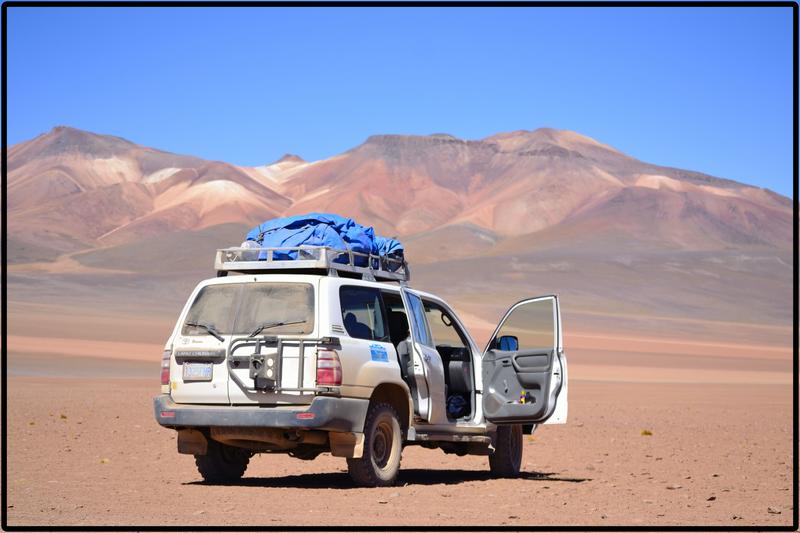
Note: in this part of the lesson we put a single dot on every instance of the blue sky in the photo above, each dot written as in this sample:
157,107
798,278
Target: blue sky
705,89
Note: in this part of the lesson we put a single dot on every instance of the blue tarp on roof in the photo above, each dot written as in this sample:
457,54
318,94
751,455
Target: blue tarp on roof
322,229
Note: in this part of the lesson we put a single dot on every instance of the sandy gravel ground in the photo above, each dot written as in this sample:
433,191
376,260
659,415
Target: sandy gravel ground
88,452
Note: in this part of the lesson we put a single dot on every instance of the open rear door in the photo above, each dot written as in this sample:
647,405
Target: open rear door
524,367
428,375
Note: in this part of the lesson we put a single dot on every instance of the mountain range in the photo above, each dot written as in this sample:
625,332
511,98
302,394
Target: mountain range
70,190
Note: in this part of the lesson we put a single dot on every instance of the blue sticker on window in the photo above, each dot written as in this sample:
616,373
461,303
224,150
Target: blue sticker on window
378,353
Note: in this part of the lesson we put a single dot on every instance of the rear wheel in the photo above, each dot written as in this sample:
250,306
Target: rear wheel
507,457
222,463
380,463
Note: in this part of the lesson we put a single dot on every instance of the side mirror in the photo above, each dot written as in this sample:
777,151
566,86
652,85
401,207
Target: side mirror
508,343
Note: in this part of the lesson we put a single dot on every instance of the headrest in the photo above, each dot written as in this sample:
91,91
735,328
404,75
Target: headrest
398,324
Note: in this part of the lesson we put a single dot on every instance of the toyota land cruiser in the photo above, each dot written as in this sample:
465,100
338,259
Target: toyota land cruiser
319,355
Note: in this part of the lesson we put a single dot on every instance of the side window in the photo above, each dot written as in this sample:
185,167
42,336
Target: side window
420,326
530,326
395,316
443,328
362,313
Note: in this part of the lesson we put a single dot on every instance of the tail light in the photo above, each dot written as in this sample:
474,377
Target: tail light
329,368
165,367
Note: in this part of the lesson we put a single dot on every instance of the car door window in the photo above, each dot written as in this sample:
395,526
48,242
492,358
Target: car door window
397,322
362,313
444,329
418,323
532,324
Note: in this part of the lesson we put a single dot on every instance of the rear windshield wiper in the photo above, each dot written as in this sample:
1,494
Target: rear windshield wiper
208,328
268,325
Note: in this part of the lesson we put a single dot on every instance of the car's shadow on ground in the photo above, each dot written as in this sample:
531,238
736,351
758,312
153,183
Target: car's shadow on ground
413,476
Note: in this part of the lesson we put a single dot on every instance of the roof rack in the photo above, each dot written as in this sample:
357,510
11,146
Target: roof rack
271,260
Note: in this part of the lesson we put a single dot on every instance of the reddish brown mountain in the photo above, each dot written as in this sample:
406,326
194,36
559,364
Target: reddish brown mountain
70,189
525,182
77,190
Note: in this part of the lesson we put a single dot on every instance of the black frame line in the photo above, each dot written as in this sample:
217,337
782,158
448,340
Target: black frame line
376,4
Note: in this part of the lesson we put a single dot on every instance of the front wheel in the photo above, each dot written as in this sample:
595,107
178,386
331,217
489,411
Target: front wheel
507,457
222,463
380,463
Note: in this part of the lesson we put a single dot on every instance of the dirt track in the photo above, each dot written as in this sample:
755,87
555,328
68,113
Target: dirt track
719,455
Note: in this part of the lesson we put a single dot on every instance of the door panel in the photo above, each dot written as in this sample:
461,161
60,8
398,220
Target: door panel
521,366
428,367
514,394
531,362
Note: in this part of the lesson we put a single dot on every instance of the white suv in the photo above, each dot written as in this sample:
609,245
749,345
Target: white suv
303,357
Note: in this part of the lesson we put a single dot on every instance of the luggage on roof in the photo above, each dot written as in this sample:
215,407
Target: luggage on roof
341,244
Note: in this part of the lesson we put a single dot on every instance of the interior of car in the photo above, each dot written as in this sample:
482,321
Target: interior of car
399,334
456,358
451,345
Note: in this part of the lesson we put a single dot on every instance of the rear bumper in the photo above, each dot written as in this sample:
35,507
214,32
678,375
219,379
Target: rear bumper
324,413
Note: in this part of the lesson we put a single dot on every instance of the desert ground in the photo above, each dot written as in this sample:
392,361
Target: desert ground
83,448
692,347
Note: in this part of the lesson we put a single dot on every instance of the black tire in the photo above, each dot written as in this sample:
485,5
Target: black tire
507,457
222,463
383,444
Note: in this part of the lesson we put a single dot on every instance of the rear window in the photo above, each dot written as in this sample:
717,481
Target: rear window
240,308
275,303
213,307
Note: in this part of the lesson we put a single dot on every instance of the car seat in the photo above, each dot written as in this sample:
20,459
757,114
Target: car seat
399,332
398,326
356,328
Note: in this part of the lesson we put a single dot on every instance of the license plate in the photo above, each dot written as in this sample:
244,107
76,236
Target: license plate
197,371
